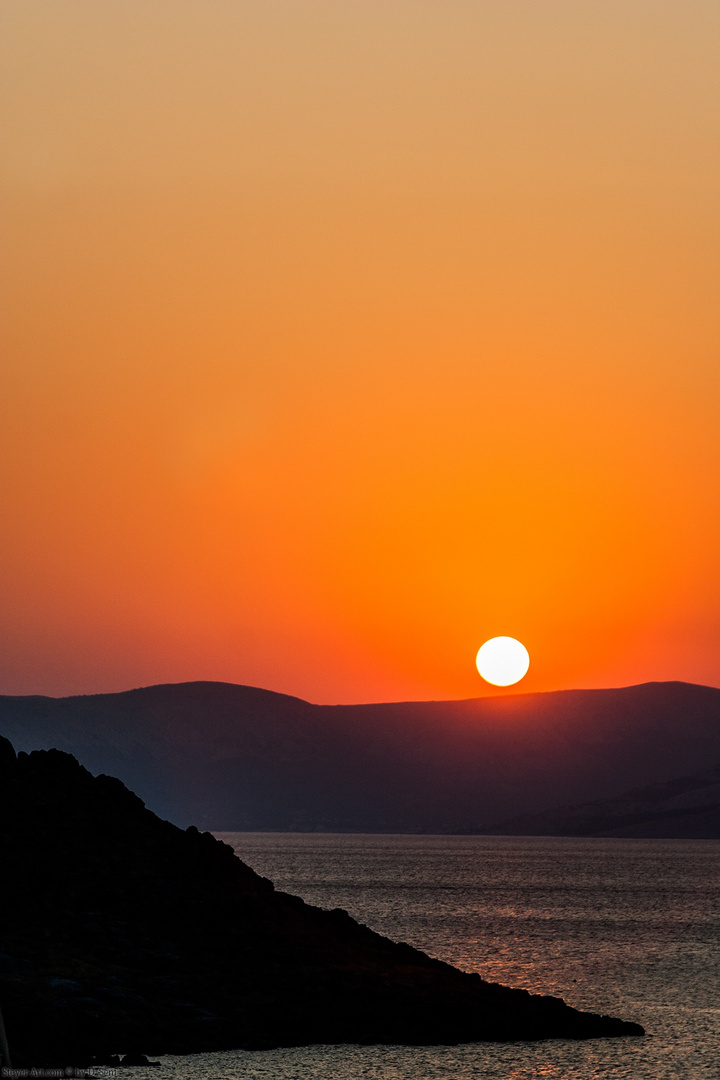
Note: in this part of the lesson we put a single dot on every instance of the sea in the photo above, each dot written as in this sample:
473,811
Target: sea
625,927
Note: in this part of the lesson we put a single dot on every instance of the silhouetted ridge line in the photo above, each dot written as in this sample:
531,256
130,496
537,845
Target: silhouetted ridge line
237,757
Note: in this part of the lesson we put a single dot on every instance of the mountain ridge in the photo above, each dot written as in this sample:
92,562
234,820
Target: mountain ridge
233,757
687,807
261,690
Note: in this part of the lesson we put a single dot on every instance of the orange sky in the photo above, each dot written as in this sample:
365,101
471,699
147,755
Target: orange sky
341,336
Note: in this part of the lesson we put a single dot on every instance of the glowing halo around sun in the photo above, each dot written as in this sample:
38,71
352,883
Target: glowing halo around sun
502,661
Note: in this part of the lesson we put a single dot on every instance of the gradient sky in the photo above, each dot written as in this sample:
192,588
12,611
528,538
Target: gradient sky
339,336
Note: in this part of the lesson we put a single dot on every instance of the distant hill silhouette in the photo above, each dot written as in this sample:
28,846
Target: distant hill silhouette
121,933
235,757
688,807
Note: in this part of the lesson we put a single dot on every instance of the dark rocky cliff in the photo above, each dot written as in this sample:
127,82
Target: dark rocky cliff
123,933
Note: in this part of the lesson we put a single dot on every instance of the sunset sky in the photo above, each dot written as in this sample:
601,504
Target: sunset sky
339,336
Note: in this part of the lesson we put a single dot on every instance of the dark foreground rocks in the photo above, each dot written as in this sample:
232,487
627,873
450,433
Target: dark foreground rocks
122,934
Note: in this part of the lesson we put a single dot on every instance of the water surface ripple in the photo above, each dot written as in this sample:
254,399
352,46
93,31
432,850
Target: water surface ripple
628,927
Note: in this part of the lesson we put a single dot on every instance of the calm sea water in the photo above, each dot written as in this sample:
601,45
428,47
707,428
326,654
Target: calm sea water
628,927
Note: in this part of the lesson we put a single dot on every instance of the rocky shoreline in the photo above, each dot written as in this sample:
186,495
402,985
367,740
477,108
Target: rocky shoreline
123,934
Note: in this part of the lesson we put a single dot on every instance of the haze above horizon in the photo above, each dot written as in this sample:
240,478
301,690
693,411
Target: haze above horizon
341,338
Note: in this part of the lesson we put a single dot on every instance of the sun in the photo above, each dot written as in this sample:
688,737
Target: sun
502,661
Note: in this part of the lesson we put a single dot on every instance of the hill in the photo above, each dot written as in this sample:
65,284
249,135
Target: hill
235,757
121,933
688,807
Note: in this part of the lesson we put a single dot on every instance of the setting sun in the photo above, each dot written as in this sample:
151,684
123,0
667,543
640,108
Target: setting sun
502,661
337,336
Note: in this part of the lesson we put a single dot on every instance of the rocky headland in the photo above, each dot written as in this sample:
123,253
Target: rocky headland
124,934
